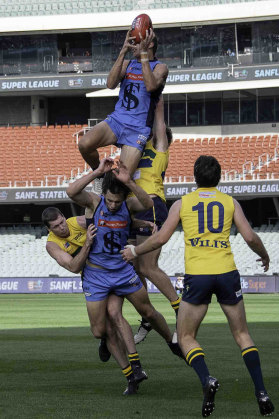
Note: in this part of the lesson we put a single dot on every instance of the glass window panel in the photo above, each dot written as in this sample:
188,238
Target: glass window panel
212,112
266,109
277,109
169,47
248,110
195,109
177,110
230,111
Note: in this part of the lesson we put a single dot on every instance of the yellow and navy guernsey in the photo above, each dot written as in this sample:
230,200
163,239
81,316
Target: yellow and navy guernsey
74,242
151,171
206,216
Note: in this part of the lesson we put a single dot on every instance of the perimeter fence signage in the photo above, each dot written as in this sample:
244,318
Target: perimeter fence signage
261,188
99,80
59,285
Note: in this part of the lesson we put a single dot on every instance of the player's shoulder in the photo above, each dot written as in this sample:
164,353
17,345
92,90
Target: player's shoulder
72,221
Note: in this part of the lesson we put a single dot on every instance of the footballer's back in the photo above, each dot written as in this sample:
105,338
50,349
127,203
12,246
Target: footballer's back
206,216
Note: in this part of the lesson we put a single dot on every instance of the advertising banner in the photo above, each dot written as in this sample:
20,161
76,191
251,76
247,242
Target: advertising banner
92,81
261,188
249,284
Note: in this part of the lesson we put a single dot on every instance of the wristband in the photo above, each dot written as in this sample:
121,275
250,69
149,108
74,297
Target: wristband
132,248
144,52
144,59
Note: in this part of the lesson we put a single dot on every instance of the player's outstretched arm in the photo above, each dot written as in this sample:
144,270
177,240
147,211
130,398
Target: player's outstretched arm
76,191
158,239
159,127
251,238
72,264
152,80
118,69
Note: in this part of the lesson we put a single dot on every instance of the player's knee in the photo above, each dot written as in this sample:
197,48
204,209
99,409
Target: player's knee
148,312
98,331
84,145
114,315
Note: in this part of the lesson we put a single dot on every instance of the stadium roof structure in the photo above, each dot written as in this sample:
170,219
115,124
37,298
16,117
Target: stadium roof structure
34,15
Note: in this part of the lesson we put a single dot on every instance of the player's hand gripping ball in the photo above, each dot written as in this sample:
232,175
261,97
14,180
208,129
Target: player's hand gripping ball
140,25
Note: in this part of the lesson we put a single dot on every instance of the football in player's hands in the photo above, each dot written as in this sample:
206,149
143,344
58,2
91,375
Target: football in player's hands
140,25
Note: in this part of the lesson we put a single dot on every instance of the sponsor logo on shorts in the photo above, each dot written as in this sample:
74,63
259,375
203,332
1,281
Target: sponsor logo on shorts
87,294
187,287
238,293
142,137
139,142
134,279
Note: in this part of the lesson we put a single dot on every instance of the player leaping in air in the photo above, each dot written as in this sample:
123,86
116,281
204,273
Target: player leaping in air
129,126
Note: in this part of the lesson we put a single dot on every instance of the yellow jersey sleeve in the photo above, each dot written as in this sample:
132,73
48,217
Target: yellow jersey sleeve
74,242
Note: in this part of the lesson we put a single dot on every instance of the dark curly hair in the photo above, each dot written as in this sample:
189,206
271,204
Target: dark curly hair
207,171
112,184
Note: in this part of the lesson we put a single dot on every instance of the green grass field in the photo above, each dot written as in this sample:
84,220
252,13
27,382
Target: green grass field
49,365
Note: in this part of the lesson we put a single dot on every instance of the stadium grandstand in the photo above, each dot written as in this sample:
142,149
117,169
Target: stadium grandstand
221,98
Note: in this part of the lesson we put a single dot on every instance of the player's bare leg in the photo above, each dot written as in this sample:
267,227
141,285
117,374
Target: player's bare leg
100,135
125,334
118,350
237,320
114,309
142,304
189,319
130,156
147,267
97,317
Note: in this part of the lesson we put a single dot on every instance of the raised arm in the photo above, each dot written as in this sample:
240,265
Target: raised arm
159,238
142,200
160,142
152,80
76,190
72,264
118,70
248,234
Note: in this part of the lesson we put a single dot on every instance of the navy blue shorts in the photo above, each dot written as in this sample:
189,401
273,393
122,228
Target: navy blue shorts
132,136
198,289
157,214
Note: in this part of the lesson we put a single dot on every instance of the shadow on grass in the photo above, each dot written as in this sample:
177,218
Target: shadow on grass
57,373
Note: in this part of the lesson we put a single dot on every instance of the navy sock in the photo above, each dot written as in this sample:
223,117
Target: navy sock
252,361
195,359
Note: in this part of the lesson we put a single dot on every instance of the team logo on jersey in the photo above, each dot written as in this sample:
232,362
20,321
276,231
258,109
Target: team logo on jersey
130,100
207,194
67,245
78,236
